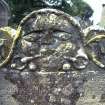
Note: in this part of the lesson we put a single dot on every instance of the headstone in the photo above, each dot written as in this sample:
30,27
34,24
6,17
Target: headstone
50,64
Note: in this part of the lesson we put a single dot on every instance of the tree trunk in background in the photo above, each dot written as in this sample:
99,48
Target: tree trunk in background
4,13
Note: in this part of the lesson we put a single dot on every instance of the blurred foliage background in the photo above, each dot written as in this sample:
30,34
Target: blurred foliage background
21,8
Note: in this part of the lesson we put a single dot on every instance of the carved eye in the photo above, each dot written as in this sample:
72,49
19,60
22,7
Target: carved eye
62,35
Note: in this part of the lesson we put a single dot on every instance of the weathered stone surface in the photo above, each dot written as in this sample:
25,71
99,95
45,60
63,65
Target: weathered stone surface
50,66
94,90
7,89
48,88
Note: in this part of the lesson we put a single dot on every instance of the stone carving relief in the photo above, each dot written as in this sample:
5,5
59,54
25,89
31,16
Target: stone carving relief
54,39
47,55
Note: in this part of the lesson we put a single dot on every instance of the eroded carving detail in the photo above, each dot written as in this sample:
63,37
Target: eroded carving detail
52,44
51,40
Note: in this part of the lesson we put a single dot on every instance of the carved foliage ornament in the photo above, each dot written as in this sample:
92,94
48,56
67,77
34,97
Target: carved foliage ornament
51,40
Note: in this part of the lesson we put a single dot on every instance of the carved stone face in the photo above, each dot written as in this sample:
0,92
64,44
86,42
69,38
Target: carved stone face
52,42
